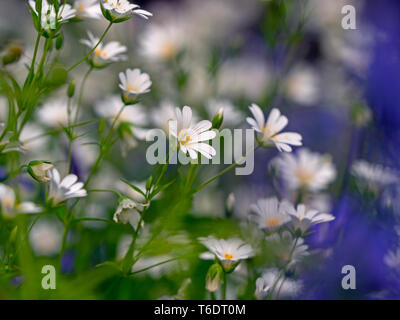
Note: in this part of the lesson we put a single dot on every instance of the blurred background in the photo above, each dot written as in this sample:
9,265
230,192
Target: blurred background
339,88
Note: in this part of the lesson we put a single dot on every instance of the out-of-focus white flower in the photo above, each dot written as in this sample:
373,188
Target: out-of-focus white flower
49,17
161,43
269,281
269,214
303,218
54,112
306,170
31,137
67,188
127,211
110,106
87,9
269,131
247,77
161,116
231,116
289,250
134,83
9,206
104,54
190,137
121,10
392,259
373,175
45,238
229,252
302,85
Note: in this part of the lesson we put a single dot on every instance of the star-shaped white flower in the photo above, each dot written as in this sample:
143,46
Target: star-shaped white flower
127,212
49,19
67,188
9,205
269,132
229,252
104,54
87,9
121,10
306,169
302,218
268,213
134,83
191,137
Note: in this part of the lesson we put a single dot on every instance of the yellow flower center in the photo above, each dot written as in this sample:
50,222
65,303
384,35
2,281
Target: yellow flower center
272,223
304,176
99,52
132,89
167,50
228,256
7,202
184,138
82,8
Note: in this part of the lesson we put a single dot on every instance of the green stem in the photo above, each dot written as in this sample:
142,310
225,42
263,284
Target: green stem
92,50
154,265
102,152
233,165
79,104
224,284
32,68
285,269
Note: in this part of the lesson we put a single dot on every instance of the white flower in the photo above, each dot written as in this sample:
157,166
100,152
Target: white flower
268,283
9,206
32,137
49,19
104,54
246,77
306,169
190,137
54,112
302,85
269,214
127,212
373,175
45,238
231,116
87,9
165,112
303,218
121,10
229,252
160,43
287,248
269,131
134,83
134,118
67,188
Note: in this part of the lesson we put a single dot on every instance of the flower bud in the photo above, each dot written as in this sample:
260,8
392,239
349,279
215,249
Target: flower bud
230,202
12,53
59,41
71,89
214,277
218,118
38,170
